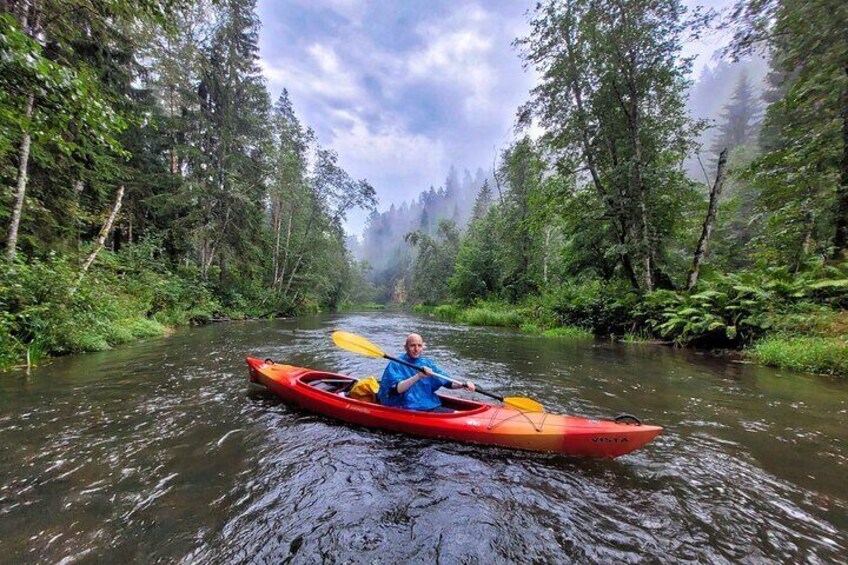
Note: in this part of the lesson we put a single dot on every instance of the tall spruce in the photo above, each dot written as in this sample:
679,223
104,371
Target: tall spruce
229,165
739,118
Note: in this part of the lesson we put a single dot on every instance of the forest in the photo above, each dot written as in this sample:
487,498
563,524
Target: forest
152,182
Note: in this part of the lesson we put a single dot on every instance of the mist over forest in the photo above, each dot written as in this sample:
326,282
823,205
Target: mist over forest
386,253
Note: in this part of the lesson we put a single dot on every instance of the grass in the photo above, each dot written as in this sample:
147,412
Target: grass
501,315
568,331
370,307
639,338
827,355
447,312
481,314
487,315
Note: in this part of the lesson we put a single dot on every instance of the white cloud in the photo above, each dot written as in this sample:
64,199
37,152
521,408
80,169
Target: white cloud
352,10
459,52
362,91
390,152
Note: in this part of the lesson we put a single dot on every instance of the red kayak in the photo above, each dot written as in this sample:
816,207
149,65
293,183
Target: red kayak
325,393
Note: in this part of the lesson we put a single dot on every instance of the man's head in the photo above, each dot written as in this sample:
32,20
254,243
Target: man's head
414,346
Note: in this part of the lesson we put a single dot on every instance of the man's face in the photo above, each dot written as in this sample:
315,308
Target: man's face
414,347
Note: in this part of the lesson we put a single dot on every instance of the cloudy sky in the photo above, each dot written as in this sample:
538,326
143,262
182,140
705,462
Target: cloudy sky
402,89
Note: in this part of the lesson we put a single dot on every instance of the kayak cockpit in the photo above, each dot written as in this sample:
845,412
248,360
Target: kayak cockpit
334,385
341,385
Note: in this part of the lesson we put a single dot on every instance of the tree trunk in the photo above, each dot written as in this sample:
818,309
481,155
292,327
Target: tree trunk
712,210
638,182
101,238
807,240
840,243
20,190
23,13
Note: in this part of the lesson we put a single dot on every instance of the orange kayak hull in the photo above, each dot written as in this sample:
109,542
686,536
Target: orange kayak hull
474,422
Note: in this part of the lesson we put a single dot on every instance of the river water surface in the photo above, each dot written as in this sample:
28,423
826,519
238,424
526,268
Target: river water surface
162,452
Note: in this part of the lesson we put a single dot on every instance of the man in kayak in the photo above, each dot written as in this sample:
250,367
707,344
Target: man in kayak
404,387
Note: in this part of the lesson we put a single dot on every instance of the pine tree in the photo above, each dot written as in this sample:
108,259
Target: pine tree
484,200
739,118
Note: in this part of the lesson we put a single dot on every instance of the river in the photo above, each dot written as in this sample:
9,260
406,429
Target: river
161,451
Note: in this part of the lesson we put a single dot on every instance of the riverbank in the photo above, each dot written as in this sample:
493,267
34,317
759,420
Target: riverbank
814,343
45,311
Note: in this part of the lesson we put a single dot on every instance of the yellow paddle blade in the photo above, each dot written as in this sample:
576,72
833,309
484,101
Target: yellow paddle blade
357,344
523,404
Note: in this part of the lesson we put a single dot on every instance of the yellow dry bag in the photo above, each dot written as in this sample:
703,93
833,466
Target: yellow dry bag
365,390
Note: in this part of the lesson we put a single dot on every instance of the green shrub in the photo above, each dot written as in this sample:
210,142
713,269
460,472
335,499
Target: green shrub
605,308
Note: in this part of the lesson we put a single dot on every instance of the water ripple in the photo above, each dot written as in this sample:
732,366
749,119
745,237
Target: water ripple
161,452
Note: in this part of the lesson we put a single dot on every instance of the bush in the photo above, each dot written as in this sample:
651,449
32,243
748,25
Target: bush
447,312
605,308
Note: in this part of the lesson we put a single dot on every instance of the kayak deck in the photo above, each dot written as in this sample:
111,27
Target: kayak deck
323,392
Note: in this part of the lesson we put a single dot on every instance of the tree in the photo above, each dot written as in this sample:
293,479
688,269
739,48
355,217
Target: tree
738,125
482,203
521,174
477,272
434,261
804,174
228,166
57,111
611,100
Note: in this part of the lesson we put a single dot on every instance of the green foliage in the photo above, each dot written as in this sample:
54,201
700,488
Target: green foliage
67,98
612,101
44,313
483,314
494,314
448,312
605,308
803,175
733,310
810,354
477,274
434,262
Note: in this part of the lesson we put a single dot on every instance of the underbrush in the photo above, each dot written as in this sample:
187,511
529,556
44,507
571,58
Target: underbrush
45,312
785,319
371,307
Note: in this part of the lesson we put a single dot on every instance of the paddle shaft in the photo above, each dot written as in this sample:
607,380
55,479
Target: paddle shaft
447,378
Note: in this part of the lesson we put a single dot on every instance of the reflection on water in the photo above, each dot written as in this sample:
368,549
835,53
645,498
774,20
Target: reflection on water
161,451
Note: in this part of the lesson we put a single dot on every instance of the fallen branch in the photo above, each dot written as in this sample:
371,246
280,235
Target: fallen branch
101,238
